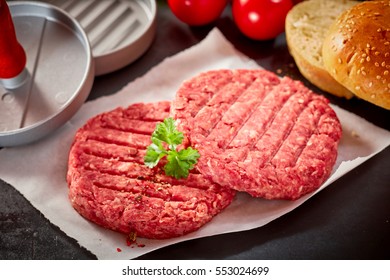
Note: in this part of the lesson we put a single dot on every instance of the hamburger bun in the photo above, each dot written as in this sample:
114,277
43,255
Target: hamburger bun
356,51
306,26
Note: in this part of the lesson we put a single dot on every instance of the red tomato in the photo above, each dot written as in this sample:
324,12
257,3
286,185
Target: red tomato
261,19
197,12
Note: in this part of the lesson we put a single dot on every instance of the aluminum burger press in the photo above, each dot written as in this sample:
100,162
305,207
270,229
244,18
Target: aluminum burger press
49,56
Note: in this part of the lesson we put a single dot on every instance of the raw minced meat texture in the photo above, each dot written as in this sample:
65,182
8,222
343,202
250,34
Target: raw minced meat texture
110,185
271,137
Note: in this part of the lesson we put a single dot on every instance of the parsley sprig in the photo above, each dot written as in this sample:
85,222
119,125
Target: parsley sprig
178,162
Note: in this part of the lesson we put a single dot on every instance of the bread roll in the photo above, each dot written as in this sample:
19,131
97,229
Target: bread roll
356,51
306,26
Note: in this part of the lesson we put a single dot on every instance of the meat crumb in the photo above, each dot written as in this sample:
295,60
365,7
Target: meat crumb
354,134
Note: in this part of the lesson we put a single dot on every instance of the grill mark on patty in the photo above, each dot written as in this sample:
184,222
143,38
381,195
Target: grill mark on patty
127,139
131,169
289,101
278,150
163,191
128,125
110,185
299,135
138,171
114,166
114,136
235,117
111,150
140,188
145,112
221,101
192,98
261,119
279,129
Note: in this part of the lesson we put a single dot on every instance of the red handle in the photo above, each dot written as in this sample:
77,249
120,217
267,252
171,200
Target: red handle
12,55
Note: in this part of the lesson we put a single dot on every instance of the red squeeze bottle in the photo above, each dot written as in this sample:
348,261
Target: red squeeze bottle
12,55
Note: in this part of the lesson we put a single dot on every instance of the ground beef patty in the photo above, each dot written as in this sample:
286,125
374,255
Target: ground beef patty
110,185
270,137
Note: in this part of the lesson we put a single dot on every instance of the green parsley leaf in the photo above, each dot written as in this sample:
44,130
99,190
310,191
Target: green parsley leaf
154,153
167,132
178,162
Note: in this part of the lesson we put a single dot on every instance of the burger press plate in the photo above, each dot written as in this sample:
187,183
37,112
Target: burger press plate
119,31
60,73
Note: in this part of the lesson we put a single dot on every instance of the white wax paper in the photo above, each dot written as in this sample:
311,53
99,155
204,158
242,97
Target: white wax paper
38,170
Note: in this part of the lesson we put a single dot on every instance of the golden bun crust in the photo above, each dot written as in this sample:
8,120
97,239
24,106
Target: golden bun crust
319,77
356,51
306,27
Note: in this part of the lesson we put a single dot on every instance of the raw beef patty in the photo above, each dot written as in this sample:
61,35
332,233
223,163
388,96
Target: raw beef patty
110,185
270,137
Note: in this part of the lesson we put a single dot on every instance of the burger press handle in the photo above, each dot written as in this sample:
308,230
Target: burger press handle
13,71
46,70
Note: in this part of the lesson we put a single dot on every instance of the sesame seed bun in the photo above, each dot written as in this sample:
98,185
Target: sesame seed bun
356,51
306,27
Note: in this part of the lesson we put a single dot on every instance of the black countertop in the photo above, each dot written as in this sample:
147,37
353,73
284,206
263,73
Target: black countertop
350,219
